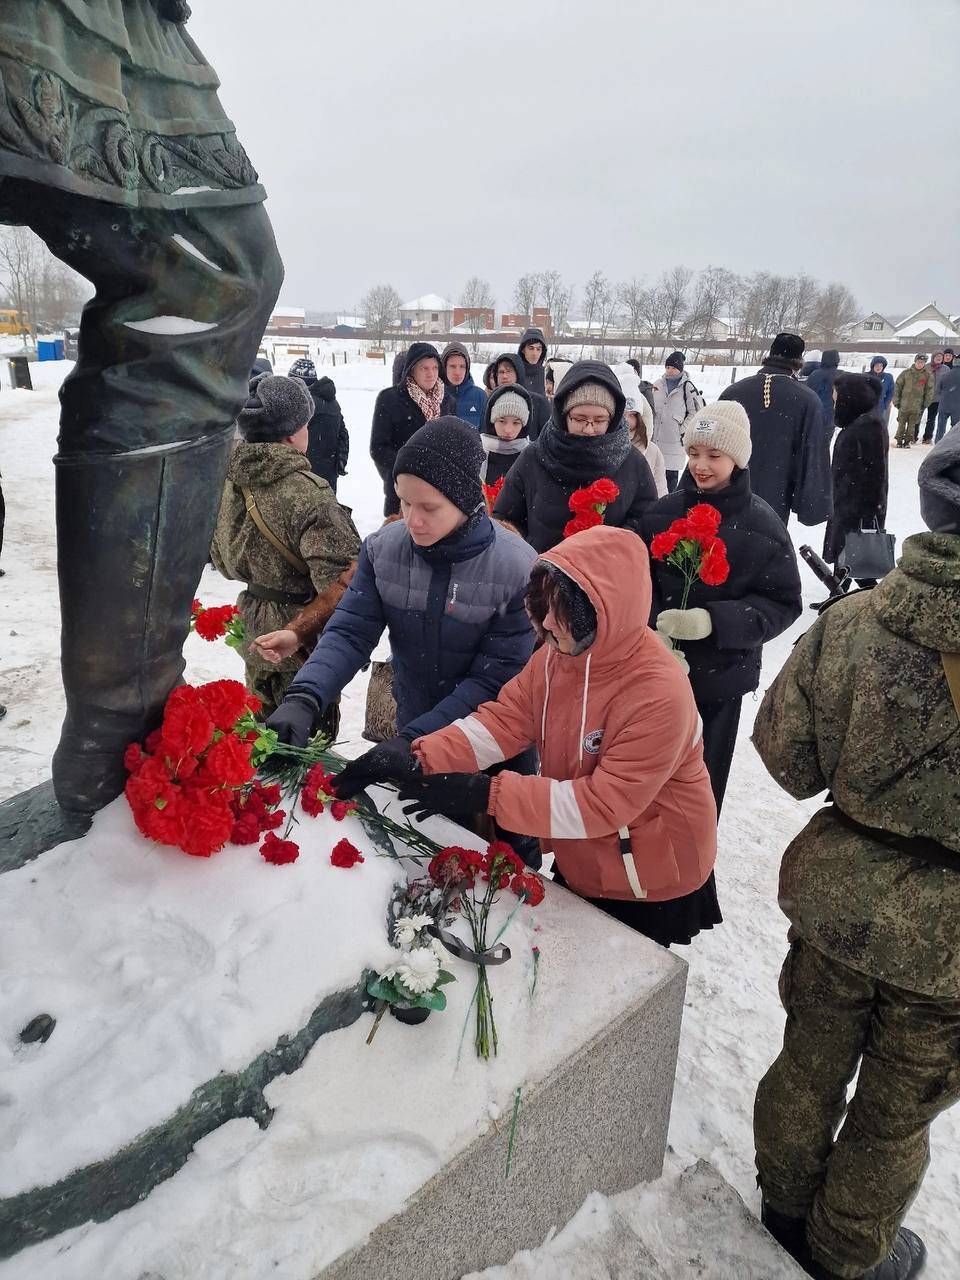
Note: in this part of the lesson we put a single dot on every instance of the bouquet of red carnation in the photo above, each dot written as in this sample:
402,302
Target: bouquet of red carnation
471,883
217,622
182,782
491,492
691,546
588,505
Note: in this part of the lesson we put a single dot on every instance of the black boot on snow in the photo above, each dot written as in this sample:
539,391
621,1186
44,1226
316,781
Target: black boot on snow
907,1260
789,1233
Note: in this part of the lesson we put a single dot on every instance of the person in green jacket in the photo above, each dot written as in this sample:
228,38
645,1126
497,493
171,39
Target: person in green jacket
912,396
868,708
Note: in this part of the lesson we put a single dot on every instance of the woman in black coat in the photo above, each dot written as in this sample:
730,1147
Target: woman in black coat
859,467
567,456
722,629
420,396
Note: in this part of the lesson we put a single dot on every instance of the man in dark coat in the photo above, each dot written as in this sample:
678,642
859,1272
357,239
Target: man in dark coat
859,466
510,370
949,414
878,367
532,352
790,465
116,151
419,397
536,494
329,449
821,382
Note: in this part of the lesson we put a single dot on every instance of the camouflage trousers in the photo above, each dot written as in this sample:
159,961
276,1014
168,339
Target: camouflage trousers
853,1188
908,427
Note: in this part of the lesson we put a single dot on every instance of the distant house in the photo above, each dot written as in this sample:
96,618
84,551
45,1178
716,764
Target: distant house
927,327
872,326
429,314
485,316
350,322
541,319
288,318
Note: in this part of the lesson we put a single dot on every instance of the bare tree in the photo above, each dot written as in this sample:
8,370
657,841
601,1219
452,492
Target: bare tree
674,285
21,262
713,297
632,296
597,295
557,298
526,292
381,307
477,297
805,295
836,309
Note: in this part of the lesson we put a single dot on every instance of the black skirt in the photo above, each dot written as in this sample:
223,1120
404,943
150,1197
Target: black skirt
675,922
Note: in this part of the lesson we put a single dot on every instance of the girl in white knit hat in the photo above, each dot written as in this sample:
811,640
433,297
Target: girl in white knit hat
722,630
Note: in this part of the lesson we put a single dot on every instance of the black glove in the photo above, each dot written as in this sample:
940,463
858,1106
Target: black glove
450,794
390,761
295,719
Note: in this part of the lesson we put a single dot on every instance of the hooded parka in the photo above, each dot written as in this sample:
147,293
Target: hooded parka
470,399
535,498
396,418
533,374
624,800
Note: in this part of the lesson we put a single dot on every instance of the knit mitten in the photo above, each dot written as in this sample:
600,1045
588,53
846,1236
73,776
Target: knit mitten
685,624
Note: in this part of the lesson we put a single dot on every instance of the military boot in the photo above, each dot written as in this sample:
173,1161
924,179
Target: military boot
907,1260
789,1233
133,534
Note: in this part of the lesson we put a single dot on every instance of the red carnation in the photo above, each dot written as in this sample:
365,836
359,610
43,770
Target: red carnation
664,544
528,886
703,520
582,500
211,624
196,608
152,741
585,520
455,863
207,823
342,809
278,852
246,829
227,763
267,793
132,757
311,802
345,854
604,491
500,863
714,566
225,700
186,730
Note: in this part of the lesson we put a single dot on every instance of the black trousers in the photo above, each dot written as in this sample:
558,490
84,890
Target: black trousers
931,423
146,424
721,720
672,479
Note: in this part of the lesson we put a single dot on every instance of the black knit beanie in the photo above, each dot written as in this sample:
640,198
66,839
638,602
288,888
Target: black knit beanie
447,454
788,346
674,361
276,408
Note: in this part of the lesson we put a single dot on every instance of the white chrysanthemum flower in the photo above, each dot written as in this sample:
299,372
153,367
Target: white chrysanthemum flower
407,927
439,950
419,970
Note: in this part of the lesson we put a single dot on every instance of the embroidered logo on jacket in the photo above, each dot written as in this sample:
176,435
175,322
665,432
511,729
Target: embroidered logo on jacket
591,742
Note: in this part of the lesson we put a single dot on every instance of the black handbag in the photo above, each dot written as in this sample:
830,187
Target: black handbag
868,553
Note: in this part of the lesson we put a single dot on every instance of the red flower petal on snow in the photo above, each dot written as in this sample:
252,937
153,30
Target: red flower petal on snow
278,852
344,854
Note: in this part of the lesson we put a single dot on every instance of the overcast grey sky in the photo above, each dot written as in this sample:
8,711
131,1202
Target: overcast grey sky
421,143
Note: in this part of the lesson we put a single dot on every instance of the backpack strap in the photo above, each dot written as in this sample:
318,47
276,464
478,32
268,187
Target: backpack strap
253,512
951,666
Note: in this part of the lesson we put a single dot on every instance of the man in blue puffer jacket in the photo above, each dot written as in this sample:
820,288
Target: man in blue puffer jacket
878,367
447,584
455,371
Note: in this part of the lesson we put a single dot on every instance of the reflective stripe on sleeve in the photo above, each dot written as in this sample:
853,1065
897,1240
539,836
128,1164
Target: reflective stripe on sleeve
482,741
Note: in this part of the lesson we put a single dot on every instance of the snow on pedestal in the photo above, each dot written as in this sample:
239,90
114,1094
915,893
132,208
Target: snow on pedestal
386,1160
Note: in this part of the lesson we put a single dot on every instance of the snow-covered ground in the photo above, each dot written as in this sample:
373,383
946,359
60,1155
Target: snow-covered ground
733,1022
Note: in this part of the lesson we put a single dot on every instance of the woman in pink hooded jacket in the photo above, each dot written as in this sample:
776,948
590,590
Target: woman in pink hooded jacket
624,800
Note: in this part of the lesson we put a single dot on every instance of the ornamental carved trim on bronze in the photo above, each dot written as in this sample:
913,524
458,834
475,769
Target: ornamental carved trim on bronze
52,124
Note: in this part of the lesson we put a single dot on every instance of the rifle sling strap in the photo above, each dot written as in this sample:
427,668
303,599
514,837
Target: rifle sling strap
253,512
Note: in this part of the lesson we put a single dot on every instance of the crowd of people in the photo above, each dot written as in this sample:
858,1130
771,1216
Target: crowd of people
558,685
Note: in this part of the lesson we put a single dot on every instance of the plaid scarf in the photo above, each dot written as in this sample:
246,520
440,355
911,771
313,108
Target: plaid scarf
428,402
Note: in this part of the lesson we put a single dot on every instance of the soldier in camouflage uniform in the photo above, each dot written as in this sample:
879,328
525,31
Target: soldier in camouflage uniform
115,149
285,604
912,396
864,708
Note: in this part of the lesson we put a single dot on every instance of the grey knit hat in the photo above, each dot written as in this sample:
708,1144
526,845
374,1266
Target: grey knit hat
939,480
724,426
276,408
589,393
510,405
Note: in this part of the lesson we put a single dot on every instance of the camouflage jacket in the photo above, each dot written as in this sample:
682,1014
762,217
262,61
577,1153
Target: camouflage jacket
863,708
300,509
913,390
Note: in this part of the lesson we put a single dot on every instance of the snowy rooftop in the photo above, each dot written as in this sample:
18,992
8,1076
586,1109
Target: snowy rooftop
294,313
942,329
429,302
